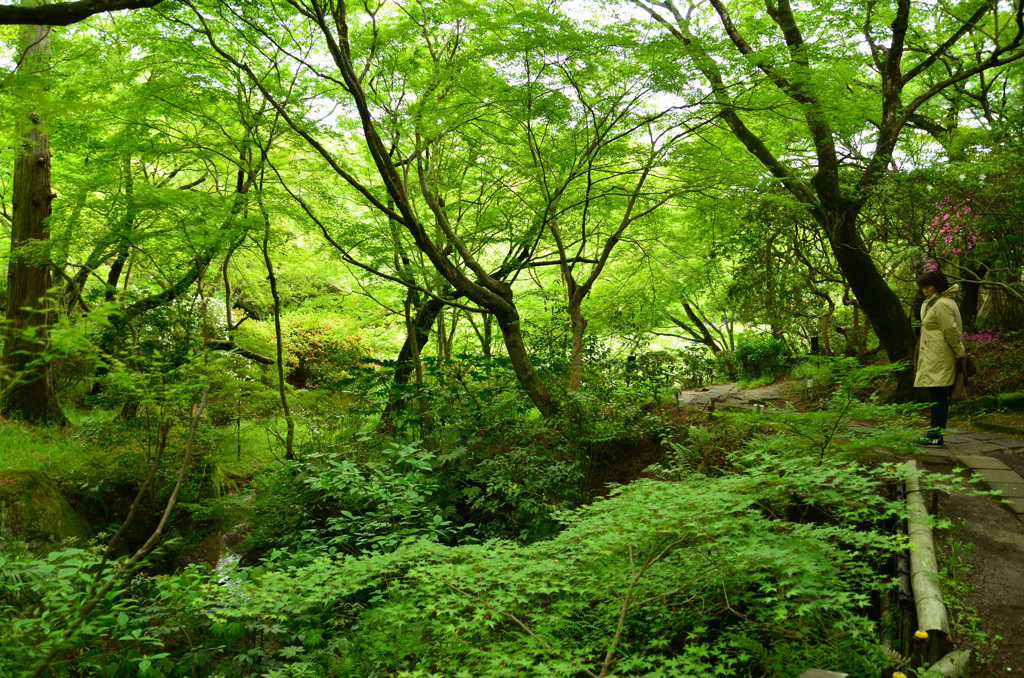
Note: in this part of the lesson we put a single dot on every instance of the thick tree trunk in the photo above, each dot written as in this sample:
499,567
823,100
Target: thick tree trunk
879,303
536,388
485,340
426,314
30,394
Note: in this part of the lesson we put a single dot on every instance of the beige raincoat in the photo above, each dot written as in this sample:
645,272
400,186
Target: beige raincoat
941,342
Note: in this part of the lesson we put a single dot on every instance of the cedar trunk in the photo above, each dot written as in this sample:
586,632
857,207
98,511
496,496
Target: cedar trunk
30,394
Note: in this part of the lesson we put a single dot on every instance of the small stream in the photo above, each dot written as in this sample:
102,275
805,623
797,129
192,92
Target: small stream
219,549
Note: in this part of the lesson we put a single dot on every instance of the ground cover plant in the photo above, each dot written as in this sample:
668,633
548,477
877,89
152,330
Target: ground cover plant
707,564
661,576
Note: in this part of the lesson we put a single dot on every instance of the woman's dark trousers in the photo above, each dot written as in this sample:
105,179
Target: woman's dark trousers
938,395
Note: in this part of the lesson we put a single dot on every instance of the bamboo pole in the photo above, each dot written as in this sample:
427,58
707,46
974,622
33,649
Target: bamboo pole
924,570
953,665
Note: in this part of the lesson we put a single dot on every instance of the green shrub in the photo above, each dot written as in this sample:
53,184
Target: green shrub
1012,401
828,372
517,494
695,366
762,358
666,578
381,505
726,366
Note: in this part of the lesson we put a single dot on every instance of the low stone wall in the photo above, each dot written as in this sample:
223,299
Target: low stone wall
1013,402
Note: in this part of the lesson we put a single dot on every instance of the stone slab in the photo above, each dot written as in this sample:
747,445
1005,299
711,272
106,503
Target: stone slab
973,448
1009,490
956,439
977,462
987,436
1014,504
1010,443
996,476
818,673
934,457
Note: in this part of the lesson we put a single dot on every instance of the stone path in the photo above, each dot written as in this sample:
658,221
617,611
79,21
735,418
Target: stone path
705,397
727,396
997,459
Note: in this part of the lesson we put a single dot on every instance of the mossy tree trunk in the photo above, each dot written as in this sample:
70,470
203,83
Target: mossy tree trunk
29,394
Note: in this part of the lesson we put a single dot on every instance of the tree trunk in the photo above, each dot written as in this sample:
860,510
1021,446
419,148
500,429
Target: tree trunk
511,332
579,326
443,350
289,452
124,243
879,303
29,395
485,341
972,295
426,314
417,362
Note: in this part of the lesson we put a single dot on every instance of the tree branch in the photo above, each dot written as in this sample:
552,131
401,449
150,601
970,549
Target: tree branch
66,13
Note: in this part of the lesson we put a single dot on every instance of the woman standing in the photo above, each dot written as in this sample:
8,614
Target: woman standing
940,346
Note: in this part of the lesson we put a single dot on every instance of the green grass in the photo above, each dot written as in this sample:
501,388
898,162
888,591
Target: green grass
37,447
251,449
60,452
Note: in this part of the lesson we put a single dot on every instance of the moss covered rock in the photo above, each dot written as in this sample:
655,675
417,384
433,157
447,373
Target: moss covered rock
987,403
33,510
1012,401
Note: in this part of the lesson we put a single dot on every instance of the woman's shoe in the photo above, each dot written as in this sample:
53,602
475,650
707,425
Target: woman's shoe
929,442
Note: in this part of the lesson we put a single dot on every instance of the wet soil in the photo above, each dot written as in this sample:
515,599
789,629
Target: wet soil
996,575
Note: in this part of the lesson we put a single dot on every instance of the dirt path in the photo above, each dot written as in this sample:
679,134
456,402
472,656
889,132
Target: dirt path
997,558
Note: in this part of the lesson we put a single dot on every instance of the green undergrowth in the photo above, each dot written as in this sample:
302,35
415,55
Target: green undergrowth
955,567
751,546
661,578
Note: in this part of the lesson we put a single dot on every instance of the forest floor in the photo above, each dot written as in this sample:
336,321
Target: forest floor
995,580
982,552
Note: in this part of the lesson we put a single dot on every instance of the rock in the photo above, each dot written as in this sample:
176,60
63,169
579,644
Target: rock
33,510
985,403
1012,401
